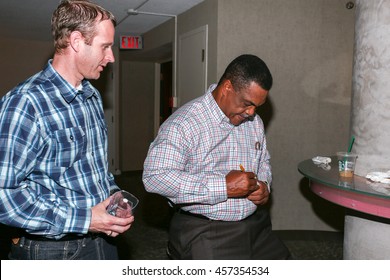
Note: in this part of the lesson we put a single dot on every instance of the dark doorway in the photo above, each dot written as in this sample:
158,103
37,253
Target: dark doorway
165,91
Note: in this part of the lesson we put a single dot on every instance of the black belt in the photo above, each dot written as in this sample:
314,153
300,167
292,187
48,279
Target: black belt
68,237
181,211
199,216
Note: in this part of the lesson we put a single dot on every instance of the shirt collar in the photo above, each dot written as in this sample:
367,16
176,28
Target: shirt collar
87,91
68,92
215,110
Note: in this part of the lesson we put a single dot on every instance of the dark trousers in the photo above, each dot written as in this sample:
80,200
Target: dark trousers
86,248
196,238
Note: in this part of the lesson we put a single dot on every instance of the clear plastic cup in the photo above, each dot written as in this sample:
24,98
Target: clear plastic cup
122,204
347,162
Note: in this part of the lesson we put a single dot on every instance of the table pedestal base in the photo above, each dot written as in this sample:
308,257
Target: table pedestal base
366,238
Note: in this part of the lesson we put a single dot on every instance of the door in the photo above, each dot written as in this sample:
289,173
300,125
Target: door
192,64
165,91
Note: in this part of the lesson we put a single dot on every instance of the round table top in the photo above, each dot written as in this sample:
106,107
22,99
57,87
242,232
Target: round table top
356,193
328,175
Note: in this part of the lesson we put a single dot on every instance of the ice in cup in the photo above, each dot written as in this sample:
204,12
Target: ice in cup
122,204
347,162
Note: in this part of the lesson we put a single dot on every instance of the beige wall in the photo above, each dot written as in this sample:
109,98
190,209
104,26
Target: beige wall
308,45
21,59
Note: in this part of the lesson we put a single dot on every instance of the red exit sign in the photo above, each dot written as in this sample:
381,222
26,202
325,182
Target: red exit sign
131,42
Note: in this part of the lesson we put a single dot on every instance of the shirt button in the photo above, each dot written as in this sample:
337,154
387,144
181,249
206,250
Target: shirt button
71,137
92,153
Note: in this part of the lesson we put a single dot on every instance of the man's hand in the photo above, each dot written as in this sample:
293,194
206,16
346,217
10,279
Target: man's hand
241,184
260,196
106,223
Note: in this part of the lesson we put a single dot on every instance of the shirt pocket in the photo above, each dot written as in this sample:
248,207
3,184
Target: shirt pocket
70,144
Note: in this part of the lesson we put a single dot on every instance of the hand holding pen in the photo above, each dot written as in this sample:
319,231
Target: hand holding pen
243,170
241,183
259,196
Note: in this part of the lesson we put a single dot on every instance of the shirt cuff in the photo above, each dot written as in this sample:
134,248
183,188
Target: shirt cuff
268,186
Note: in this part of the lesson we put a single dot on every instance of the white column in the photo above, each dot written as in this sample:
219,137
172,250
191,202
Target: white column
365,236
371,86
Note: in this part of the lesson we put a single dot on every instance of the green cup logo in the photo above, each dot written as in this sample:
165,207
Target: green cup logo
341,165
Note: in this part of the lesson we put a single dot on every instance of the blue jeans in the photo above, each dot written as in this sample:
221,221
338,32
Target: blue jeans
87,248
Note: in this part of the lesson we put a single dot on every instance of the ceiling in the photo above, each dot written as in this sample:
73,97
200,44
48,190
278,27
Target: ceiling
30,19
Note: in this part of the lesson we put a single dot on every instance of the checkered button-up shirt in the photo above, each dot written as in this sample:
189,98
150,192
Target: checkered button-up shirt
194,151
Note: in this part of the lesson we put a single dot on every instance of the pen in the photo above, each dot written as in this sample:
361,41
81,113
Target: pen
243,170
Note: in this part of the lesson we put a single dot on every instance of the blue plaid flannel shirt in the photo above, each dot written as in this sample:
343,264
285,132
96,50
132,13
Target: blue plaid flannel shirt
53,155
